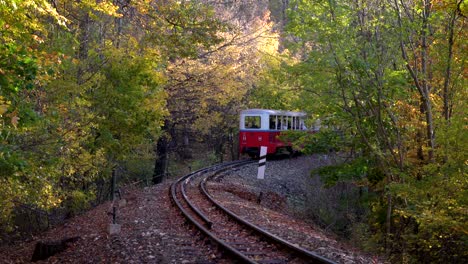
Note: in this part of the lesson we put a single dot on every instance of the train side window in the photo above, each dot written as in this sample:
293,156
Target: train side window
273,122
284,123
302,126
252,122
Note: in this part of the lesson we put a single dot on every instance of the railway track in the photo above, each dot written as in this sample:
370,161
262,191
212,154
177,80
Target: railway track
244,241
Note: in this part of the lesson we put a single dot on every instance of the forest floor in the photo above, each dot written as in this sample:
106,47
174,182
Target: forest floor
154,232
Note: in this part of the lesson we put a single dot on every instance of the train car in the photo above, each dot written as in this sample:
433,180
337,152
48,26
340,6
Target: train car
261,127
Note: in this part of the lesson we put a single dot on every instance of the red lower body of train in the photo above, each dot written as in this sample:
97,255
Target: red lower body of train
251,141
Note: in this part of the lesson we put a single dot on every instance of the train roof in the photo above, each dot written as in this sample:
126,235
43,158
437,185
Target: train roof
271,112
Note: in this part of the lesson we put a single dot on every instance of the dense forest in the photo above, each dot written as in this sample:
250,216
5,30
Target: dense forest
137,89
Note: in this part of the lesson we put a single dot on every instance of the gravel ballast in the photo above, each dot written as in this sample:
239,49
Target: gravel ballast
279,203
287,177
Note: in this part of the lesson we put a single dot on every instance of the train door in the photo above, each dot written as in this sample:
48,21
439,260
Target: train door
274,121
249,136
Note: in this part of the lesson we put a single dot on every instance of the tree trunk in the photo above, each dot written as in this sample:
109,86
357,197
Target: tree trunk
186,153
426,88
83,46
219,146
388,221
232,147
448,69
160,166
162,151
421,79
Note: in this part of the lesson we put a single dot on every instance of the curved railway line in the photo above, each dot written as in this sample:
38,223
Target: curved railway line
244,241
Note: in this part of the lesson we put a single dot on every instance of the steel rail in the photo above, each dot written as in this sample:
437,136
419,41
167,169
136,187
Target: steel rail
314,256
222,243
184,180
208,222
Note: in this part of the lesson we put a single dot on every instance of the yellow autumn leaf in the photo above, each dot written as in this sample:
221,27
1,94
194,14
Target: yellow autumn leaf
3,109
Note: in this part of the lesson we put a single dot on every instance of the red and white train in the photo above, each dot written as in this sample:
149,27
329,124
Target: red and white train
261,127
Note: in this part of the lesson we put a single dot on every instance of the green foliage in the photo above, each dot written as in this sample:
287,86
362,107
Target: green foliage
78,201
84,93
273,89
205,161
437,215
360,170
213,87
323,141
361,67
435,205
18,68
84,87
139,168
183,29
128,103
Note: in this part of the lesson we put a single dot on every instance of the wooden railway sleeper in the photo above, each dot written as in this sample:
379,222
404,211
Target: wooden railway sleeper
314,256
197,211
238,251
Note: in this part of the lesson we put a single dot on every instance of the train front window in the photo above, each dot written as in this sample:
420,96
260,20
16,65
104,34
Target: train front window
252,122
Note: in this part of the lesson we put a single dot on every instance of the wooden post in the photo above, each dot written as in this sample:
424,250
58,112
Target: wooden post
114,228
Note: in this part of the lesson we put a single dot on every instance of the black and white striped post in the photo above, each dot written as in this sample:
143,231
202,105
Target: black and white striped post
261,163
